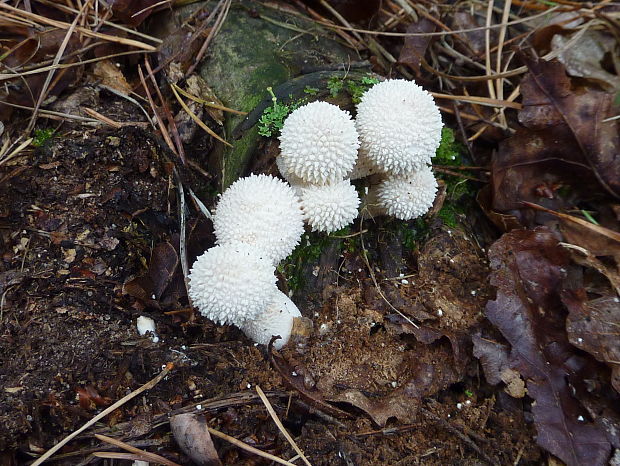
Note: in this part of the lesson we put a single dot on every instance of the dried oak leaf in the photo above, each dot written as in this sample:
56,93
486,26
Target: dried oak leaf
564,140
415,47
528,270
192,435
594,326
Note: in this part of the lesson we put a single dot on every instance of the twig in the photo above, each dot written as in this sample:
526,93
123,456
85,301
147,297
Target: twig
183,234
152,457
147,386
489,102
50,74
193,116
160,123
247,447
214,30
80,29
276,419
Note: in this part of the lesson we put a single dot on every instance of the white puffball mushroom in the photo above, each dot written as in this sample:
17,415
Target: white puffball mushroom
232,283
408,197
399,126
147,325
276,320
330,207
262,211
318,143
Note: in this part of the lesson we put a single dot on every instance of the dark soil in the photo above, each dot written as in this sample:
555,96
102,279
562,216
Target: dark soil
83,221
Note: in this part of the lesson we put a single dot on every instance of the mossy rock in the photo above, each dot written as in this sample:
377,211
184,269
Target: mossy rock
259,47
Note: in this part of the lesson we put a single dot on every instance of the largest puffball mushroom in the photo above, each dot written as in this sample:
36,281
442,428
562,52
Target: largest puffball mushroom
399,126
262,211
232,283
318,144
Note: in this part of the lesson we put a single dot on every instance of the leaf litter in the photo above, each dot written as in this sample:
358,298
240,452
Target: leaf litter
488,369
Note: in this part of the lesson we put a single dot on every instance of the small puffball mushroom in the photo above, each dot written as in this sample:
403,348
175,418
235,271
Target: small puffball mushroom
232,283
262,211
330,207
276,320
318,143
399,126
408,197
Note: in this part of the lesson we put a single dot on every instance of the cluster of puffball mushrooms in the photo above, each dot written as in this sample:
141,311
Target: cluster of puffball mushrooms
259,220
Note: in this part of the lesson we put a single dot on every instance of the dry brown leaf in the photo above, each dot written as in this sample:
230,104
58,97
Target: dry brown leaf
110,75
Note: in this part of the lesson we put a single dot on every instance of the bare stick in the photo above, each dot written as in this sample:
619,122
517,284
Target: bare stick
147,386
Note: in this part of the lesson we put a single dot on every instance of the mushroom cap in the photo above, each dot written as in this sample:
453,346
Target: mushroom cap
262,211
276,320
408,197
330,207
318,143
232,283
399,126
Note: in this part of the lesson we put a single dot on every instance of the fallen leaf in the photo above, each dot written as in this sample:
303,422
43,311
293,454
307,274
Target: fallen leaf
415,47
594,326
529,269
163,265
193,437
110,75
564,143
584,58
133,12
493,357
550,100
90,399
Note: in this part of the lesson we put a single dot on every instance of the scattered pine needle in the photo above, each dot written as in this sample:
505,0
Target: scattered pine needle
147,386
147,456
208,103
193,116
246,447
278,423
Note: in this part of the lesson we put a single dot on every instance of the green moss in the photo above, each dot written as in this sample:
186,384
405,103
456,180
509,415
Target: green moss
42,136
311,90
272,119
335,85
459,191
307,252
449,150
355,88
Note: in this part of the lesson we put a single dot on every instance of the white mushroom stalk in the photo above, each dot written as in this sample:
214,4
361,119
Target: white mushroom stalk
277,320
318,144
232,283
330,207
399,126
262,211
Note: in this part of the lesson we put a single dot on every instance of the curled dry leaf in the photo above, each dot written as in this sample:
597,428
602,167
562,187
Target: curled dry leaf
530,269
415,47
584,58
193,437
594,326
564,141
